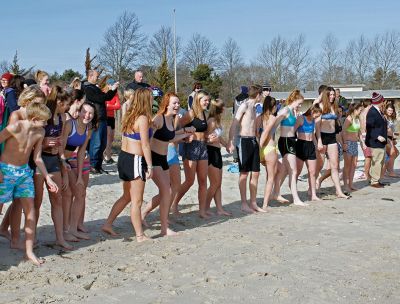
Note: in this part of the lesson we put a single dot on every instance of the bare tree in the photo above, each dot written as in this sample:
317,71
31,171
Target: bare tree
200,50
229,61
386,56
274,58
4,66
162,42
299,60
330,60
357,60
122,44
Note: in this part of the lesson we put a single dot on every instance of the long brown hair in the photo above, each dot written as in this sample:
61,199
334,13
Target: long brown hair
326,104
216,109
268,106
57,95
165,102
294,95
139,105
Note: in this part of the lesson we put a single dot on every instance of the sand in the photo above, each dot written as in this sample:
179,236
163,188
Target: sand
334,251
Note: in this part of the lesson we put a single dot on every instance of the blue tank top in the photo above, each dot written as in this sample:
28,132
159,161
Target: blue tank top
52,130
290,121
306,127
74,138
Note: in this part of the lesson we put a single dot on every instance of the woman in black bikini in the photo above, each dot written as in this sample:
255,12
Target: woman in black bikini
195,157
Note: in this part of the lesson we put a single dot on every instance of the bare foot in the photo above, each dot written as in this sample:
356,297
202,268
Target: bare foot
20,245
300,203
82,228
315,198
246,209
281,199
69,237
142,238
266,208
209,213
34,259
223,212
318,184
80,235
204,215
169,233
176,213
342,195
144,223
257,209
6,234
64,245
108,229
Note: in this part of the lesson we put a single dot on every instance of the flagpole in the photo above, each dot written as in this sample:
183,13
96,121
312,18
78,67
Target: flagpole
175,78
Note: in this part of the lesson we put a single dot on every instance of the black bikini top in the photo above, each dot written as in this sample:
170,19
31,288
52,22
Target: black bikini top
198,124
164,134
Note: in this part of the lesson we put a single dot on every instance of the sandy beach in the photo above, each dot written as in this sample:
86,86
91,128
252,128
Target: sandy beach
334,251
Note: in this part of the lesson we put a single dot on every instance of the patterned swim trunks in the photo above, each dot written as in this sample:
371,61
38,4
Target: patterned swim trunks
17,182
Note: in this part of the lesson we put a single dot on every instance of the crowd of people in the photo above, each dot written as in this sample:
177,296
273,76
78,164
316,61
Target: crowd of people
57,136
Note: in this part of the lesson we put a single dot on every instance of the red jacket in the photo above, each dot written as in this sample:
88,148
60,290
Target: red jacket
113,105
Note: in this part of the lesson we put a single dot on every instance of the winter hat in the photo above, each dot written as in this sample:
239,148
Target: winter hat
244,89
377,98
7,76
266,85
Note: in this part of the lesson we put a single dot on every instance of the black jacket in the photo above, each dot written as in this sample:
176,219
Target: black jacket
99,98
136,85
376,126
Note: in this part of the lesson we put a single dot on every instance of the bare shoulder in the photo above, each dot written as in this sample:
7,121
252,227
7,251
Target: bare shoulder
158,121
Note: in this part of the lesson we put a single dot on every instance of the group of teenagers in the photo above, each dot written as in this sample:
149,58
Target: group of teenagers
46,139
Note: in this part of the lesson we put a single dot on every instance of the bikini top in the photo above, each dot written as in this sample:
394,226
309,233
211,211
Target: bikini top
198,124
329,116
354,127
74,138
306,127
290,121
136,136
218,131
164,134
54,130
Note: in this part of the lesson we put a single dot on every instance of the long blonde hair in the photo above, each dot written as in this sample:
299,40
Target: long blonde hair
140,104
197,109
29,94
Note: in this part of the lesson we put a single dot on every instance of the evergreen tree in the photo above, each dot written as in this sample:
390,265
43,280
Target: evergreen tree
16,69
163,78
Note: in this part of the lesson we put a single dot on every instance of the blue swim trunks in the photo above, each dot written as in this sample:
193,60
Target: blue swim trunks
172,156
17,182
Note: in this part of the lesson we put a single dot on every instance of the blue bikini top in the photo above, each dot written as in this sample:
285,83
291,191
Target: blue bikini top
136,136
306,127
329,116
290,121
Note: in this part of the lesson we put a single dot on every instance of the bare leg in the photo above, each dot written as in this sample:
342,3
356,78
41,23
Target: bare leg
333,161
117,208
312,167
271,160
279,179
81,226
190,173
175,178
30,224
202,170
289,160
136,192
253,183
242,188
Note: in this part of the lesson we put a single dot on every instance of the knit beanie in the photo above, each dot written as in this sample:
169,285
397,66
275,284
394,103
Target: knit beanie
377,98
7,76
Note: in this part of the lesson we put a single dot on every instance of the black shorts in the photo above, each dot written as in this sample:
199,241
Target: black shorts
52,162
131,166
195,150
159,160
111,122
305,150
214,157
248,154
328,138
287,145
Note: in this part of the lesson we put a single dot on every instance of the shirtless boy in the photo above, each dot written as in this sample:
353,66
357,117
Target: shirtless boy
16,181
248,148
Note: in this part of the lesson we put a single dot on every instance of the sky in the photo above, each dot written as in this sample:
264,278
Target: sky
53,35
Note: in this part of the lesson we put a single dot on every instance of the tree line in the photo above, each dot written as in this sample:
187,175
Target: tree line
284,63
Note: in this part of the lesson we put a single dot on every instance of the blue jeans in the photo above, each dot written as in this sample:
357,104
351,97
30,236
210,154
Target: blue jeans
98,143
